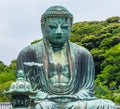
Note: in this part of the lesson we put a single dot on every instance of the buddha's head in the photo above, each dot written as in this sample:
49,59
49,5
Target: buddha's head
56,24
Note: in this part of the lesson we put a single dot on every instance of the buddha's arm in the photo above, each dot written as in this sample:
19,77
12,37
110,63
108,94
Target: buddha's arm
86,78
84,94
26,55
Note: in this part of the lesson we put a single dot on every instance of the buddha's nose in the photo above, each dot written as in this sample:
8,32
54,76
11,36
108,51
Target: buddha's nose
59,30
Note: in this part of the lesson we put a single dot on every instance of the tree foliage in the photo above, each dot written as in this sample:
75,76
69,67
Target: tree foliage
7,76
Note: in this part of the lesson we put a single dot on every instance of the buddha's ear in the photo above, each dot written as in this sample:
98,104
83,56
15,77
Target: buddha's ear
43,30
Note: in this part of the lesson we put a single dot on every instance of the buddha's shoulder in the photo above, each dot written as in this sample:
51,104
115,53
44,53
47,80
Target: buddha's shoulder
79,48
32,47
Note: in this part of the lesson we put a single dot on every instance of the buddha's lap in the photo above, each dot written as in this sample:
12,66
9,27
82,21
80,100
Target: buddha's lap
80,104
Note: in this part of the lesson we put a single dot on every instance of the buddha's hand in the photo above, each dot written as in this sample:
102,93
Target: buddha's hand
72,97
42,95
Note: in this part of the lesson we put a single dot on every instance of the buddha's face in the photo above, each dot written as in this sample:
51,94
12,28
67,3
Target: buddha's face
57,29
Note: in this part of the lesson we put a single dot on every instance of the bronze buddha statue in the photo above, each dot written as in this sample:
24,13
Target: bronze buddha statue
66,79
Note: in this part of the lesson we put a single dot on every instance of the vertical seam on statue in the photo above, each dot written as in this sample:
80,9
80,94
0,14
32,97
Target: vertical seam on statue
46,60
69,59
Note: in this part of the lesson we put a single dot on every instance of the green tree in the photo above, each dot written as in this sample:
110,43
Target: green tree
111,66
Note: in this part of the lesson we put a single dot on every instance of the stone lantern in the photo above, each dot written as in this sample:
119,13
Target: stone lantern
20,92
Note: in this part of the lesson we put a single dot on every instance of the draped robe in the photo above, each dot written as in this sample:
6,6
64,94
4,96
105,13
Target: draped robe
81,68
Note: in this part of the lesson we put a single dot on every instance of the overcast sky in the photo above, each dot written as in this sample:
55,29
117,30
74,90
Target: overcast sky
20,20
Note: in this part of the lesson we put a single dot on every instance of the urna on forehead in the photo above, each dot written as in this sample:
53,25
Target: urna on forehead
55,11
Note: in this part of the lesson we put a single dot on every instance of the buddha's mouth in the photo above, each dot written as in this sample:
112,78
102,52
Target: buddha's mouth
58,36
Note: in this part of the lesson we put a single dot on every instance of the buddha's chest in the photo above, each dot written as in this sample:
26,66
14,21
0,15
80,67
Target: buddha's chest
59,68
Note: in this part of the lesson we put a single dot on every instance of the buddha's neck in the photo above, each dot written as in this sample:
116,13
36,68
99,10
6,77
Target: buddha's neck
57,47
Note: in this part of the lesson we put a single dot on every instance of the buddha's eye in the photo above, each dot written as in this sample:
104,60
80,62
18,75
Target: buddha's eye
52,26
65,26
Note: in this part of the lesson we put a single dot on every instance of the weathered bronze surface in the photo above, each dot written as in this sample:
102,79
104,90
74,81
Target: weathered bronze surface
60,71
